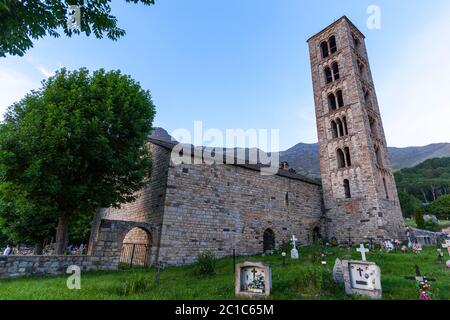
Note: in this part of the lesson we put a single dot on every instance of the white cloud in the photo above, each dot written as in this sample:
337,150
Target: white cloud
415,98
14,86
44,71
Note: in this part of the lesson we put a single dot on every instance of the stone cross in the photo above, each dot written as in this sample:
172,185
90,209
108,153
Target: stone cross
363,251
294,239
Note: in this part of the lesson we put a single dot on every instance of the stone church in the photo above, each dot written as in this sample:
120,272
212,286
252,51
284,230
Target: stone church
224,208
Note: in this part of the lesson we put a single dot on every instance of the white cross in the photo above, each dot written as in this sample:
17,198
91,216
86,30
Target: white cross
363,251
293,239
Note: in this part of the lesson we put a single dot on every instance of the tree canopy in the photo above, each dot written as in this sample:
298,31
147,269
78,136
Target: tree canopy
427,181
440,207
77,144
23,22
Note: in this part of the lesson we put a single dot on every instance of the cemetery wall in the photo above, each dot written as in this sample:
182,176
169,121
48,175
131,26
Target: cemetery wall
16,266
219,208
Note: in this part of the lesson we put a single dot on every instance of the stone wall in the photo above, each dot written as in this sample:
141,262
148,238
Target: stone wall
221,207
16,266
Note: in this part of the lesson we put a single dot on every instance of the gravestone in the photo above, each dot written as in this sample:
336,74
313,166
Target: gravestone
253,279
362,277
446,245
294,251
338,273
363,252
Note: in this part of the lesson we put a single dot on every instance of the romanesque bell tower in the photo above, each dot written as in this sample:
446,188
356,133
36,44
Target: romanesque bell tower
360,195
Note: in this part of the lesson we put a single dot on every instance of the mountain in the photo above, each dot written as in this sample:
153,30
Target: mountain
305,157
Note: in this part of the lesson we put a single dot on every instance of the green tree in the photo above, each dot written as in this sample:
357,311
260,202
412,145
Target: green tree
22,22
79,144
418,217
408,203
441,207
21,222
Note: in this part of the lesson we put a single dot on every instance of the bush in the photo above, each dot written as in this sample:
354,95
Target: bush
418,217
137,283
315,280
206,264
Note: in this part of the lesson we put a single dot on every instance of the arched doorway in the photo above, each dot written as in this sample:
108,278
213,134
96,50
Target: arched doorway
316,236
136,248
268,240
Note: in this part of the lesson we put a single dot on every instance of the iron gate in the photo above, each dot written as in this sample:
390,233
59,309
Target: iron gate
135,254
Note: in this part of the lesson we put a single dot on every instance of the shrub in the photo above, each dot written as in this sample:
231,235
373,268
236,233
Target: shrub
315,280
418,217
206,264
137,283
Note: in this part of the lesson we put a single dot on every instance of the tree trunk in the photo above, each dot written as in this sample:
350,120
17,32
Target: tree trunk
62,235
39,247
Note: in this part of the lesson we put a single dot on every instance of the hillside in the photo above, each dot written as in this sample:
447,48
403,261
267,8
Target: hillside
305,157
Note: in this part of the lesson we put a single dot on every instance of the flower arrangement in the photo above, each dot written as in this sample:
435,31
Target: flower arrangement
397,243
424,290
417,248
404,249
257,285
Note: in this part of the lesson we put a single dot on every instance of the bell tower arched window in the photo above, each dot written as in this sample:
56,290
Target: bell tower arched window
335,67
324,49
328,75
340,98
347,156
340,158
347,191
332,101
334,129
332,42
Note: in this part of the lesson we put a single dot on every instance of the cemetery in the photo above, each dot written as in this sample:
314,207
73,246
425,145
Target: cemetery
363,273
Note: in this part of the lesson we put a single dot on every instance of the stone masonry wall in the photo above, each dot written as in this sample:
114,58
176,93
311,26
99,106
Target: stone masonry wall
221,207
16,266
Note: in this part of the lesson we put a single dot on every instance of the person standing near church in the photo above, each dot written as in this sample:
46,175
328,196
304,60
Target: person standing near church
7,251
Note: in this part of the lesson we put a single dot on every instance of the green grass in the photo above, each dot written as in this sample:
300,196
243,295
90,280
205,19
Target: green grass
290,282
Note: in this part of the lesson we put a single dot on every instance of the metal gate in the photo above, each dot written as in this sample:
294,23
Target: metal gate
135,254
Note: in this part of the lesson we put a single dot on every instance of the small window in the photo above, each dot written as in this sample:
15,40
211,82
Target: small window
356,41
328,75
333,47
334,129
379,157
344,122
340,127
335,68
385,188
340,158
347,191
324,49
340,98
332,101
347,156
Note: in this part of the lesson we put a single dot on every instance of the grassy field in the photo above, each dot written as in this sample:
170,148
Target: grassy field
303,279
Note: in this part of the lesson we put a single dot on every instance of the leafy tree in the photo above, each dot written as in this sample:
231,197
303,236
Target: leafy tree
80,229
22,22
408,203
79,144
441,207
23,223
427,181
418,217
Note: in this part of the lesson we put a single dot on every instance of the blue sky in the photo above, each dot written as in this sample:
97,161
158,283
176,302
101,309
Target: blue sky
245,63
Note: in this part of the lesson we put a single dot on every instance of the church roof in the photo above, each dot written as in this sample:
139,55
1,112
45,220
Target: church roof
236,160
